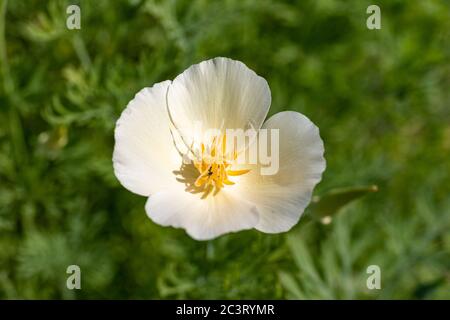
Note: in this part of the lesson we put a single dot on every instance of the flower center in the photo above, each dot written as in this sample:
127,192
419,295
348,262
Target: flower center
214,166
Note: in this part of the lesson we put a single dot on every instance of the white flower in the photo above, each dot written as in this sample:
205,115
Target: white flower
209,198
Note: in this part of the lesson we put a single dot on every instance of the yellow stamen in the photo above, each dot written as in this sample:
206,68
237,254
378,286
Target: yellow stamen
214,167
237,172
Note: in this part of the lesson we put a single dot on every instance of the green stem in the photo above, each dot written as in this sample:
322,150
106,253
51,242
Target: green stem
82,52
15,124
7,82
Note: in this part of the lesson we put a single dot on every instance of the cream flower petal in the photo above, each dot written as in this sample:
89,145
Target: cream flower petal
218,93
144,154
282,198
203,219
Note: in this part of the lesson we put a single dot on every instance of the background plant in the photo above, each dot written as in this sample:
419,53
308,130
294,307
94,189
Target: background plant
380,98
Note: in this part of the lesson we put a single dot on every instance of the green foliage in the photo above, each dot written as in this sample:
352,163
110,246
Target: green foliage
323,208
379,97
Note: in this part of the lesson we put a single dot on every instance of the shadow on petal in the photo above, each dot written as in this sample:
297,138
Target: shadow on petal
188,174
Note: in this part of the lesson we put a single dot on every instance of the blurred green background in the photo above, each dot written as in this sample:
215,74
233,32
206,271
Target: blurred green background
379,97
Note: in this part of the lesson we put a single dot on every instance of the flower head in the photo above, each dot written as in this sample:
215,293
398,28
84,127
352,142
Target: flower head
198,147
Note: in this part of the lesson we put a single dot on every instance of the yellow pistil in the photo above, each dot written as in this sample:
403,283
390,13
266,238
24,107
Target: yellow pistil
213,166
